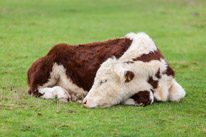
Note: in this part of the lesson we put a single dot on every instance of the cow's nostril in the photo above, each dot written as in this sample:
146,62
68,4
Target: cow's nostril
85,102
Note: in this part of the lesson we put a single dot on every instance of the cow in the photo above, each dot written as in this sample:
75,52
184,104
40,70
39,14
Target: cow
67,72
140,76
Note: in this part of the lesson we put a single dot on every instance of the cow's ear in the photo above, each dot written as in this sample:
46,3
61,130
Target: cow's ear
125,75
128,76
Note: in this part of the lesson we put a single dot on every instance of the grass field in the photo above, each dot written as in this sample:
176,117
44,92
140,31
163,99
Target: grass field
28,29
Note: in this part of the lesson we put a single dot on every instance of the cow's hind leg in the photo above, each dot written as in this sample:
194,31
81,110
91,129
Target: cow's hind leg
176,92
52,89
55,92
43,80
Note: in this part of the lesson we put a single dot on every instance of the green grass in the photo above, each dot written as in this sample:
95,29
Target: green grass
29,28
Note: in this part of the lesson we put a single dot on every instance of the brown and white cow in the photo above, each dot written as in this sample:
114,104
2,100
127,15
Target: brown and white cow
138,77
67,72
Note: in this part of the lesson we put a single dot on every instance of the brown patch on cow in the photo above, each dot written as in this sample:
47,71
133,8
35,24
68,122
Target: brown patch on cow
129,62
169,71
154,55
152,82
129,75
81,62
158,74
142,97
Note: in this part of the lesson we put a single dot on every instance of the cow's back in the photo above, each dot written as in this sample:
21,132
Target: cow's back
87,58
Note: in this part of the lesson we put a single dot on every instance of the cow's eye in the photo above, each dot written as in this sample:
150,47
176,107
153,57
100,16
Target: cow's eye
103,81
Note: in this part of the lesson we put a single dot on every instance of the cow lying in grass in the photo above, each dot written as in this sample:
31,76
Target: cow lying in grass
67,72
138,77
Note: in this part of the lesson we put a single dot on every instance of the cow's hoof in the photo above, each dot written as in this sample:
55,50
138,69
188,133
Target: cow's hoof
79,101
140,104
63,100
78,97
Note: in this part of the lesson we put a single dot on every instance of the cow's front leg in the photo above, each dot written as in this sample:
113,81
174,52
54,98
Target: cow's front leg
142,98
55,92
78,97
77,93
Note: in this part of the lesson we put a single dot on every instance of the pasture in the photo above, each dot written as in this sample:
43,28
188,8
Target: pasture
28,29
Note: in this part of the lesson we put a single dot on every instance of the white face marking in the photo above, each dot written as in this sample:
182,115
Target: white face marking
109,87
141,44
106,84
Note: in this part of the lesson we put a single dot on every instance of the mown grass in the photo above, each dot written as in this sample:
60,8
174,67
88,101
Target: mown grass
28,29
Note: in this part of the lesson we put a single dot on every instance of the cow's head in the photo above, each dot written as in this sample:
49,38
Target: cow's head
112,83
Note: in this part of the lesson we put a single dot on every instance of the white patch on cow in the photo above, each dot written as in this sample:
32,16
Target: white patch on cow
141,44
58,77
151,95
131,36
129,101
54,92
